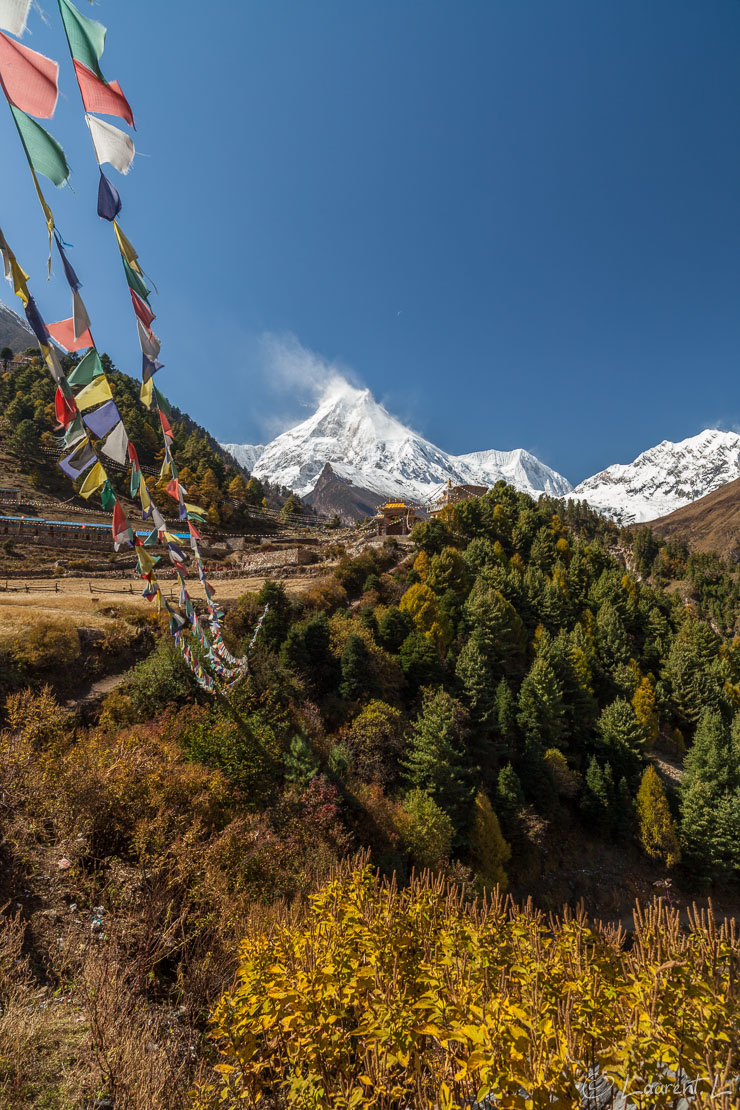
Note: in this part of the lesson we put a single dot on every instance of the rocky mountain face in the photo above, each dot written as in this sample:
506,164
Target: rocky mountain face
664,478
14,331
380,457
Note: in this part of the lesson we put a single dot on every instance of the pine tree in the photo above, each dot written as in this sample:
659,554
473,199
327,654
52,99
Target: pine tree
393,629
657,830
611,638
420,662
540,705
489,852
710,800
438,761
355,665
474,675
448,571
596,799
498,625
621,738
509,796
301,763
504,718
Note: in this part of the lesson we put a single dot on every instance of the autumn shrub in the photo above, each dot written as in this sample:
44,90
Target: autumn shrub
161,678
47,644
375,996
326,596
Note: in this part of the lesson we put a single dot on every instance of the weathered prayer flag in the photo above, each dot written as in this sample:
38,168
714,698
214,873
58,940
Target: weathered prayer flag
64,333
72,280
111,144
78,461
103,420
44,153
142,309
90,367
80,318
86,37
117,444
64,408
34,319
30,79
99,390
99,96
13,15
93,481
109,202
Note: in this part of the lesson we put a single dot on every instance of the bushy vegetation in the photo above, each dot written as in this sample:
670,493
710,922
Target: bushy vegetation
380,997
497,703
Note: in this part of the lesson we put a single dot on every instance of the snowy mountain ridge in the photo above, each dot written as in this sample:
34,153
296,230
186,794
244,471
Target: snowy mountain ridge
369,448
372,449
663,478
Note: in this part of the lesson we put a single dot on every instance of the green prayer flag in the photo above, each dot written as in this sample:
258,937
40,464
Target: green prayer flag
88,368
107,497
86,37
163,403
42,150
135,281
152,539
75,431
135,480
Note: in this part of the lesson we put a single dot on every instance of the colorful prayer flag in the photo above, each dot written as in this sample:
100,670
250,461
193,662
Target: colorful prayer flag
80,318
103,420
34,319
86,37
88,368
122,532
109,202
64,408
72,280
111,144
94,481
117,444
30,79
78,461
13,15
99,96
99,390
44,153
142,309
64,333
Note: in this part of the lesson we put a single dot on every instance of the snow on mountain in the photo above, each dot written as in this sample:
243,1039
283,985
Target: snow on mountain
664,478
14,331
246,454
373,450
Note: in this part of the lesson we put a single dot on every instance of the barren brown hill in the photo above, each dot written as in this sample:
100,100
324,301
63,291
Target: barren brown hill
711,523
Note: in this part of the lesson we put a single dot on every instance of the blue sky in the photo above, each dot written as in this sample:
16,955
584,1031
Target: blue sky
517,222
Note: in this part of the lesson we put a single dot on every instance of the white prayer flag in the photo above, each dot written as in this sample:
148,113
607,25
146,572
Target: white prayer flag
111,144
13,15
80,318
116,445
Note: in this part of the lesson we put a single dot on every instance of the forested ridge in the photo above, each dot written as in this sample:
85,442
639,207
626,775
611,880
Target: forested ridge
213,479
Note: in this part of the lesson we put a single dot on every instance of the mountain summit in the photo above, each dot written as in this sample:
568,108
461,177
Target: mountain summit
664,478
370,449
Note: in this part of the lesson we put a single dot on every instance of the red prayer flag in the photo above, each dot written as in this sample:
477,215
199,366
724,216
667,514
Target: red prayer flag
65,409
142,310
194,532
30,79
173,488
121,529
133,456
97,96
64,333
166,429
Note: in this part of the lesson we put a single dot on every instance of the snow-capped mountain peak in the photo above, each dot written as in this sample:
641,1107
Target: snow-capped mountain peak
664,478
372,449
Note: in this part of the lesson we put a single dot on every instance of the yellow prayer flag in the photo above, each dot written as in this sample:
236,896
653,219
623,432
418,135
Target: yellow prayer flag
98,390
194,508
126,248
147,393
20,277
146,562
95,479
146,501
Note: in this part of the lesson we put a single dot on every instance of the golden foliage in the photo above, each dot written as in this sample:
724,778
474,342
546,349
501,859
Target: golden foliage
657,830
378,997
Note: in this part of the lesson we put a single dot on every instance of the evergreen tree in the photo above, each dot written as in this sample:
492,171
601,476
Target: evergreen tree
355,666
509,797
301,763
438,761
393,629
448,571
611,638
500,630
504,719
425,829
474,675
621,738
596,799
657,830
540,705
710,800
420,662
